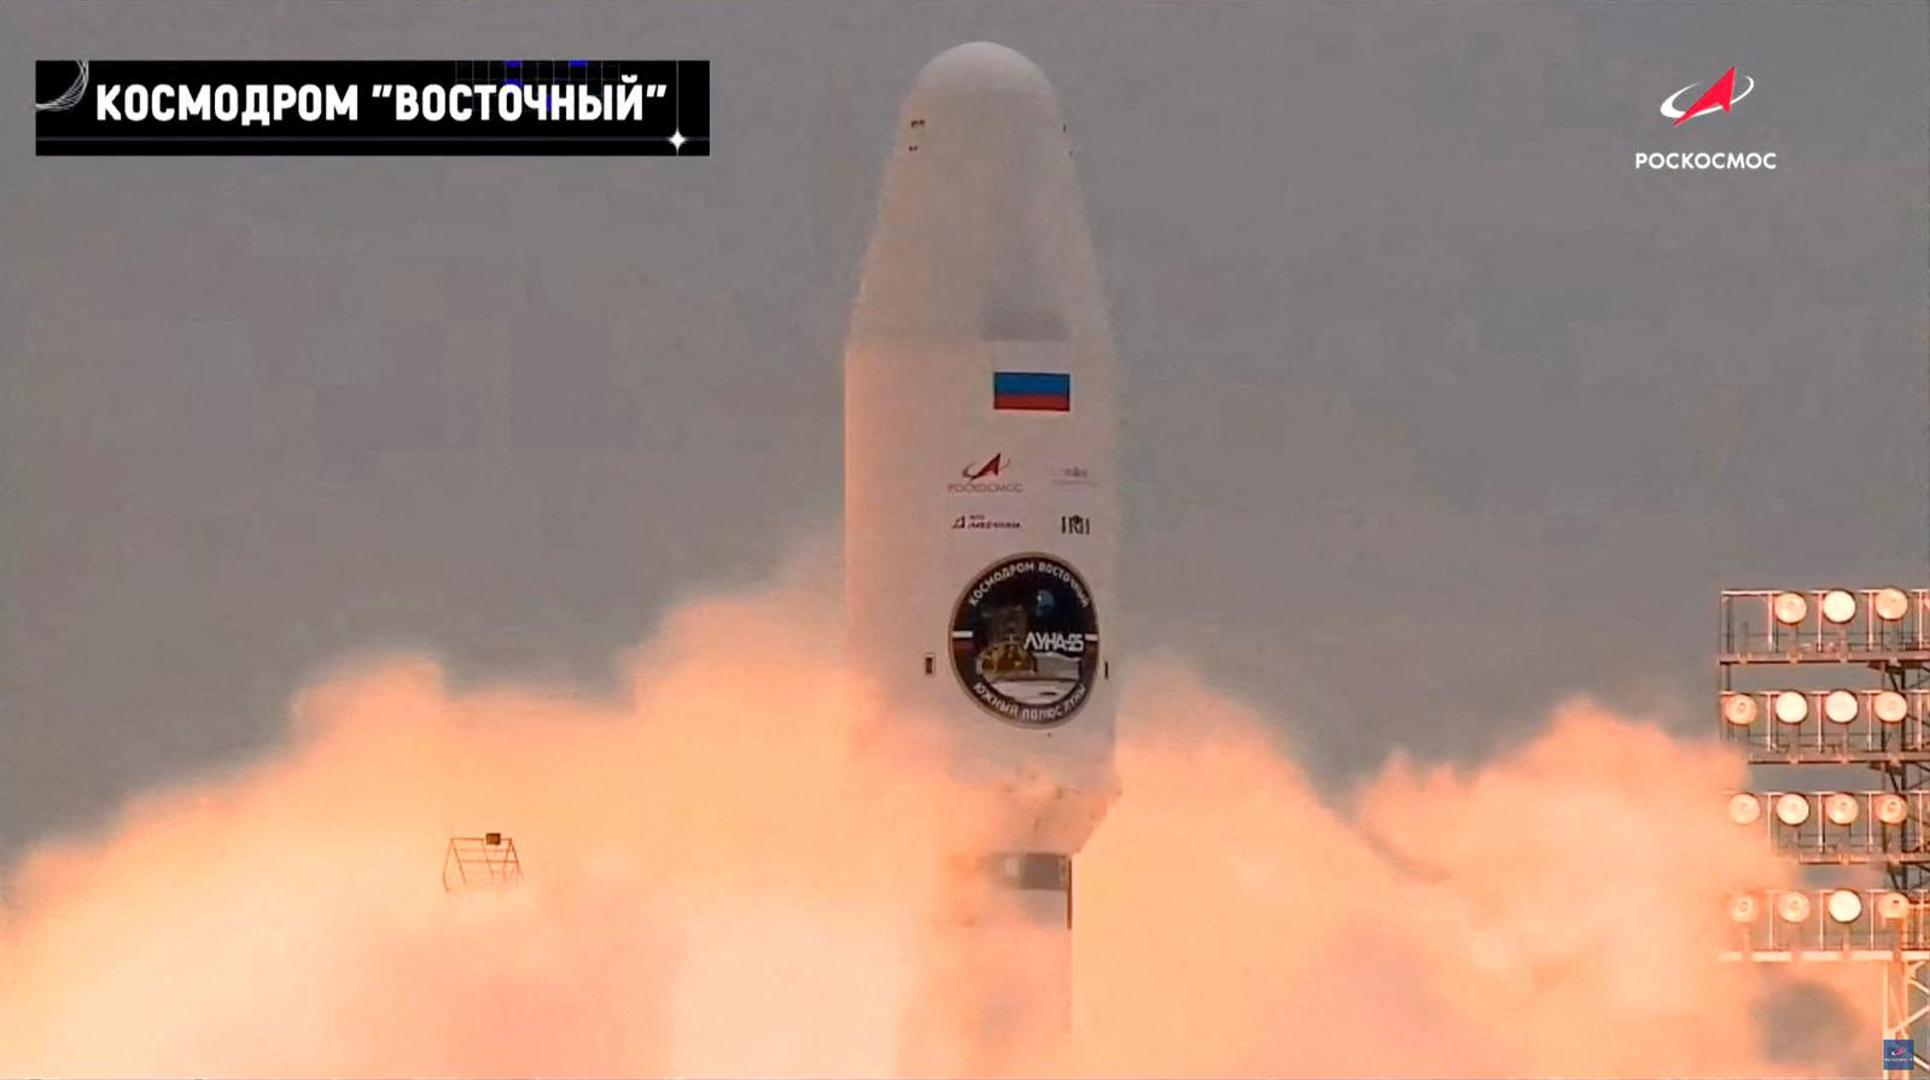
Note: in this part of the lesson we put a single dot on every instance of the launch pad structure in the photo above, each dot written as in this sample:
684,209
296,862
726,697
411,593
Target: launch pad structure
1817,685
477,861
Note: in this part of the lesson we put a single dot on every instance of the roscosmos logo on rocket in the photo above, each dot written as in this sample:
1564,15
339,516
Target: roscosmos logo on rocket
1025,640
980,477
991,468
1721,96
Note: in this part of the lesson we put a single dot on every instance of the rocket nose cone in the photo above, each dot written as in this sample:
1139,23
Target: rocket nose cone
981,69
980,230
980,89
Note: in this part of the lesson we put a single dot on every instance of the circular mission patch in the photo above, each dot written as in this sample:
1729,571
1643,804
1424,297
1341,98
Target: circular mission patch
1025,640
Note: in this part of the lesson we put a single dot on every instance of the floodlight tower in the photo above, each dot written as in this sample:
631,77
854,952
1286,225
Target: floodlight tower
1814,683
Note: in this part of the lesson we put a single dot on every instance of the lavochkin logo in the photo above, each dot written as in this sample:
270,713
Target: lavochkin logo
983,522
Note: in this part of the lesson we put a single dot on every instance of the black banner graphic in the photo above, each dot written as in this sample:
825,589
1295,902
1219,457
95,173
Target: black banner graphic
372,107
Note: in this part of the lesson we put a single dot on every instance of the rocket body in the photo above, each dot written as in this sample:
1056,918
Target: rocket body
980,500
980,505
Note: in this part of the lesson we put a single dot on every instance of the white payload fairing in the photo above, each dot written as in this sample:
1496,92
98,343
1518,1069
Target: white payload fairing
980,478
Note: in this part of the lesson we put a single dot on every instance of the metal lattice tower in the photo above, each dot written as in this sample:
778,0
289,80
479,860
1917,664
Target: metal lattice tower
478,861
1837,679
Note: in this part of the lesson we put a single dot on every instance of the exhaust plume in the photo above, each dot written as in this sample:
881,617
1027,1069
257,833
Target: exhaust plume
730,872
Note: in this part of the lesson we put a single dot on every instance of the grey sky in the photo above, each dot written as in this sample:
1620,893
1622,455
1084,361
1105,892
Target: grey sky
1435,410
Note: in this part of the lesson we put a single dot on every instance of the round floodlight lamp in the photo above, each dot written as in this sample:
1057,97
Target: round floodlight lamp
1892,906
1890,605
1790,608
1844,905
1891,808
1792,907
1745,809
1839,706
1839,606
1743,908
1890,707
1792,809
1840,809
1739,709
1792,707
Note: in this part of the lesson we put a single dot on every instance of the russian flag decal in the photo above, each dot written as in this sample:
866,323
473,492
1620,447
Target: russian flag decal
1032,391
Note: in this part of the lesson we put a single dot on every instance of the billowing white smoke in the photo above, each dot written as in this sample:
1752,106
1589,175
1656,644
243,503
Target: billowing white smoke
728,870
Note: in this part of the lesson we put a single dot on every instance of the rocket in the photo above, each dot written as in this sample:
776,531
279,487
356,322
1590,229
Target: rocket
980,505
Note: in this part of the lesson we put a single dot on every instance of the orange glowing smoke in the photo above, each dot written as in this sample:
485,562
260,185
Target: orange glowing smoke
728,871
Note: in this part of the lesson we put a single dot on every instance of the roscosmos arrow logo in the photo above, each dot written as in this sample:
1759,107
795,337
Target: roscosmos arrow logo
990,468
1721,95
982,478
